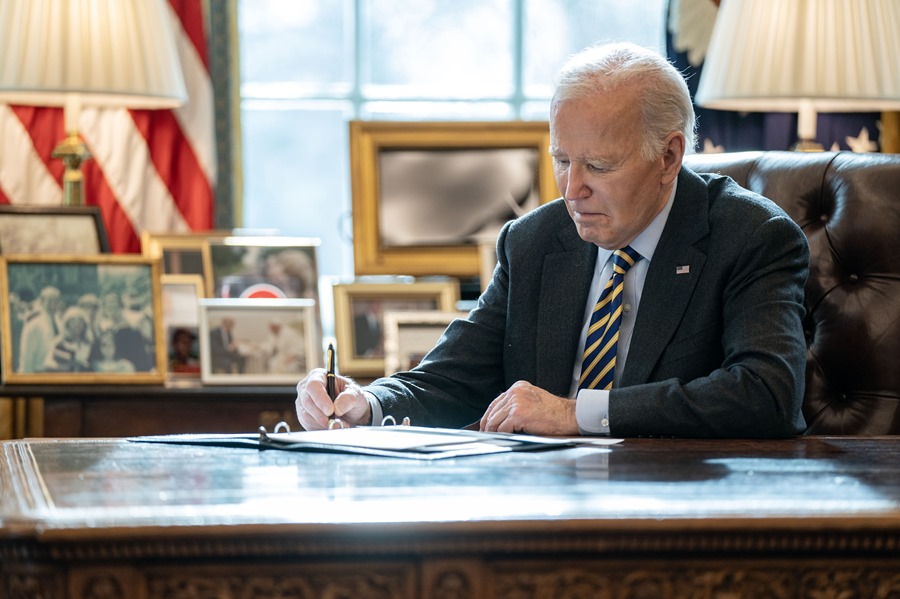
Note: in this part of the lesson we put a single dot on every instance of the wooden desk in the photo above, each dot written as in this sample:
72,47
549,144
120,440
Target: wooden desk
812,517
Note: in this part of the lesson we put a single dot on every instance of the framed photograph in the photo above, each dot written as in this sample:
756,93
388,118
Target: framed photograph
264,267
52,230
258,341
182,253
408,336
425,194
81,319
359,310
181,324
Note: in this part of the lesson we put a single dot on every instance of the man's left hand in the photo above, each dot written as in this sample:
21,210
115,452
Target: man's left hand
524,408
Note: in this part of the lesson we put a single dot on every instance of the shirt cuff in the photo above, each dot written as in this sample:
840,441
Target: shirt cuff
592,411
375,406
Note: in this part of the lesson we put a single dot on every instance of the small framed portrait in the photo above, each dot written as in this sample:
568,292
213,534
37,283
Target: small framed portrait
183,253
359,310
408,336
426,194
81,319
258,341
181,323
269,267
76,230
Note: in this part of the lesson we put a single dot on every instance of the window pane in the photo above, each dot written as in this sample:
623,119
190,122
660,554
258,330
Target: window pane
555,29
435,111
435,48
293,41
296,176
418,60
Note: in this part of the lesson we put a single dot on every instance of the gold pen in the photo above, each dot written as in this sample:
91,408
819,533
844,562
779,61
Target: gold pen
330,380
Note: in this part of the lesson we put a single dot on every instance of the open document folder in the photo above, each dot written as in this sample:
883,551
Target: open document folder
391,441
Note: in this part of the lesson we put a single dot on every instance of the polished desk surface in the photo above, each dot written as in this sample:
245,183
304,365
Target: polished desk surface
49,487
808,517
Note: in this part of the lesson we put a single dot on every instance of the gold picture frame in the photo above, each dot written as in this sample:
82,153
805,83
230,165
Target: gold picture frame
508,162
183,253
81,319
408,336
180,295
359,312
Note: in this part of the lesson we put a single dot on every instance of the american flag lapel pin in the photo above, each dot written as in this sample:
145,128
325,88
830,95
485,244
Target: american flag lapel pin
683,269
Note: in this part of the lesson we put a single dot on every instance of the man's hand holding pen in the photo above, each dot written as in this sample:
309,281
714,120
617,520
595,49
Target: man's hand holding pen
315,408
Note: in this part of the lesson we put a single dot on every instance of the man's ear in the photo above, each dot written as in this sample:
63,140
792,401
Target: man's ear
672,157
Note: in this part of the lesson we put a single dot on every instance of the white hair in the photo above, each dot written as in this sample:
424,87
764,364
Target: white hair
663,98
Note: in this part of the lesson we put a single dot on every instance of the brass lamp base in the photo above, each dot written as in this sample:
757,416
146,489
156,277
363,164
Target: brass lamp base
73,152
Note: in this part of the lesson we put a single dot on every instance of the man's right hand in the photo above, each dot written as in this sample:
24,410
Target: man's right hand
315,408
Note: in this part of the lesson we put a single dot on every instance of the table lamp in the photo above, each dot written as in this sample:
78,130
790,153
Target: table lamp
803,56
101,53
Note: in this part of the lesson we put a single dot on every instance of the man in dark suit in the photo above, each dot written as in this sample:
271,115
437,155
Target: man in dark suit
223,349
708,339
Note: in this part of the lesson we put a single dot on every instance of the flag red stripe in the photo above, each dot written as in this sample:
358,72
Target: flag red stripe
190,13
47,128
119,230
177,165
3,198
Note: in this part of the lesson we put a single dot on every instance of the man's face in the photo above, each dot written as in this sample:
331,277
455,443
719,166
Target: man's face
112,304
611,192
183,344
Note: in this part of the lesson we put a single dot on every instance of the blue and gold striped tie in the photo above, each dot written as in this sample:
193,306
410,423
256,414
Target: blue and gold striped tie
599,361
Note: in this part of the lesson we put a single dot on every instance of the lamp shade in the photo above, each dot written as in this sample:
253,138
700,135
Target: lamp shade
787,55
111,53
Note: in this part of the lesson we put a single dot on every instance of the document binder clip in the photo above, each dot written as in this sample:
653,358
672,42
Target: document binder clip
281,427
391,421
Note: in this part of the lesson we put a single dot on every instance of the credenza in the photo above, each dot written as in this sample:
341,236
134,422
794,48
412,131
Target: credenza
130,410
812,517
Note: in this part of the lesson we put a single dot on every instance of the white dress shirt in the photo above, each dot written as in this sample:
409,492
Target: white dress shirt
592,405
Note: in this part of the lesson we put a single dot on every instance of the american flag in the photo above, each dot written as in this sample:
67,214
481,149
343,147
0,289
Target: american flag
150,170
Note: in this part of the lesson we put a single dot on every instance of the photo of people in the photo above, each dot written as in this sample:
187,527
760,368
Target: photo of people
257,340
184,351
77,317
360,308
284,269
368,321
181,321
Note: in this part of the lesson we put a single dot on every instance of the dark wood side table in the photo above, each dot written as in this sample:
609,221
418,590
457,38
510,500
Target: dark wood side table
129,410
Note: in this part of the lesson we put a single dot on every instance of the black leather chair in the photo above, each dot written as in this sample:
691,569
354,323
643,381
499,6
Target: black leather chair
849,207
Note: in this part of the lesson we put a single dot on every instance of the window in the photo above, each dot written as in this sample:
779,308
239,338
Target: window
310,66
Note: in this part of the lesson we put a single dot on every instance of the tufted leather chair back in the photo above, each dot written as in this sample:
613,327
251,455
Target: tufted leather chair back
849,207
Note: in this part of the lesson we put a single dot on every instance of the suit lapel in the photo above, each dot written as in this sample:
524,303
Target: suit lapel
668,288
565,284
